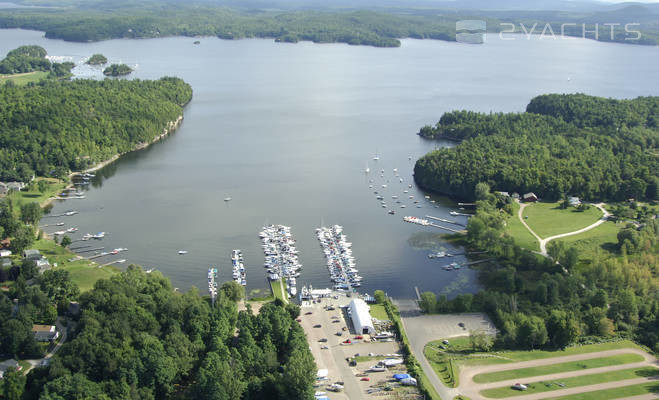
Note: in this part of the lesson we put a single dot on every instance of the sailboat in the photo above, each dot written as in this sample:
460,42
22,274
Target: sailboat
367,169
376,157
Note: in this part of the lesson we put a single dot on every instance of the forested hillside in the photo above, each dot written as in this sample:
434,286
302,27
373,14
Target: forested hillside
594,148
137,338
53,127
33,58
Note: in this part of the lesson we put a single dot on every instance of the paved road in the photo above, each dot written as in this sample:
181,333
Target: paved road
543,242
471,389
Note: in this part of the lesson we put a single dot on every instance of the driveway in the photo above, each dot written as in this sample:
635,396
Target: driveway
50,354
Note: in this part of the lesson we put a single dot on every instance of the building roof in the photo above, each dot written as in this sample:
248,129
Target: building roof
5,365
31,253
529,194
43,328
361,316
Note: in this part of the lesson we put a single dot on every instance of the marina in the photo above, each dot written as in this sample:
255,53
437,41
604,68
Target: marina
281,256
340,262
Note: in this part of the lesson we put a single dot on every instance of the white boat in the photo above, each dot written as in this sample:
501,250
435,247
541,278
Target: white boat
227,199
182,252
367,169
376,157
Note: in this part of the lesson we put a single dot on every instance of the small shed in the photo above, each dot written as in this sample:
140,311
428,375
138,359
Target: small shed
530,197
32,254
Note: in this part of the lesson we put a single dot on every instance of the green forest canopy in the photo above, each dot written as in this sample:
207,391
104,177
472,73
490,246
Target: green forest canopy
591,147
97,59
55,127
117,70
33,58
137,338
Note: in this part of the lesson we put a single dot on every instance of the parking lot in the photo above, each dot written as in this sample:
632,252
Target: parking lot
322,324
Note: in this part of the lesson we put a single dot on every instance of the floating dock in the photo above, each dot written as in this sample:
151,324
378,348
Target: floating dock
444,220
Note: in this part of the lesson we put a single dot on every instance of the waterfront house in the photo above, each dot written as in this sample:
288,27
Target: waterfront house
45,333
530,197
5,365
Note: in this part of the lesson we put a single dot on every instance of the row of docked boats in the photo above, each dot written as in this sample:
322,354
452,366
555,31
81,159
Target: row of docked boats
338,253
212,283
416,220
238,267
281,256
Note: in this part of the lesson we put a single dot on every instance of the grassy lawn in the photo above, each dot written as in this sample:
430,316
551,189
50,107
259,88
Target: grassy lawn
445,362
601,239
84,273
616,393
25,78
378,311
522,236
547,219
584,380
277,290
557,368
24,196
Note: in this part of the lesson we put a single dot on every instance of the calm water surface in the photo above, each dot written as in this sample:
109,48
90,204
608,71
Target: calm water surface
287,130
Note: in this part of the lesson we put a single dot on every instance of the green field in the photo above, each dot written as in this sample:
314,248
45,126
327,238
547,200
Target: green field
522,236
557,368
617,393
584,380
277,290
378,311
547,219
602,239
84,273
24,79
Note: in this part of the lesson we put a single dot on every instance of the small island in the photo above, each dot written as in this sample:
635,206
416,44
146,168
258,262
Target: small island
97,59
117,70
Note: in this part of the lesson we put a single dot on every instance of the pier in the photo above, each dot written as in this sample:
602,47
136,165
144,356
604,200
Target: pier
444,220
466,204
462,231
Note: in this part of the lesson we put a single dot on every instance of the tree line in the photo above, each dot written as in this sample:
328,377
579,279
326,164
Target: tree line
536,302
137,338
54,127
33,58
586,146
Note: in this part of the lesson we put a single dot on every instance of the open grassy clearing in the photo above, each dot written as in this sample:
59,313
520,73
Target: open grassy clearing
277,291
25,78
522,236
557,368
617,393
584,380
83,272
378,311
548,219
27,196
602,239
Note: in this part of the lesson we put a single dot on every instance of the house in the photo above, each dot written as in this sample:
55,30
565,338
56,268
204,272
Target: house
43,264
515,195
32,254
45,333
16,186
530,197
3,189
574,201
5,365
5,253
503,194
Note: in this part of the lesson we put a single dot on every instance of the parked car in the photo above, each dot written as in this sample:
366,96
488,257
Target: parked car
308,313
324,347
359,337
339,333
347,341
366,379
298,320
318,326
519,386
323,340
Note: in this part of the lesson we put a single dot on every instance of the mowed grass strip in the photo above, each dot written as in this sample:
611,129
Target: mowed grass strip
584,380
525,355
277,290
378,311
616,393
24,78
557,368
548,219
519,233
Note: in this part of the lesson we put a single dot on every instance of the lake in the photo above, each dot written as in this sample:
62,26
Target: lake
286,131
